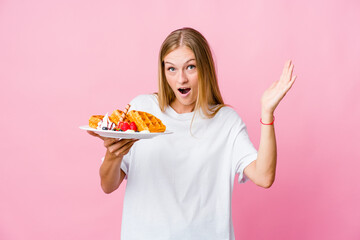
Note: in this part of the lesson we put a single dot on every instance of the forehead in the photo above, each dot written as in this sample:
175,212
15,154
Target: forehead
179,55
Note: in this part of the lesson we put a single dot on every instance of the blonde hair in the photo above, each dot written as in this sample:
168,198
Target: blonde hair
209,98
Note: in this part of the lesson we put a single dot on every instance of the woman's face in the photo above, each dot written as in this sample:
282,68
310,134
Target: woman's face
181,74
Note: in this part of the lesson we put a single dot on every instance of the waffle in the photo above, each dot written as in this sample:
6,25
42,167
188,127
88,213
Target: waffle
94,120
116,116
146,121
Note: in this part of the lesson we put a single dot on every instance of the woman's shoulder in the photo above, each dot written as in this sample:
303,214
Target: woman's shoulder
144,102
228,117
228,112
143,98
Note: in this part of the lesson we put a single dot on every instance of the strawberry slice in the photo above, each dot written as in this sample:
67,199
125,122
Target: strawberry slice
120,125
133,126
125,126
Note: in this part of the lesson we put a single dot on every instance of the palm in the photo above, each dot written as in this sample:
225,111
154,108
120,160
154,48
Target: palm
273,95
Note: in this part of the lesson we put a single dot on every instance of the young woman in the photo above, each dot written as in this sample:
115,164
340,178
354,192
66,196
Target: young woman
179,186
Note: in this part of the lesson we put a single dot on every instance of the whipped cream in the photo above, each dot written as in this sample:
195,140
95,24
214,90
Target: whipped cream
105,122
145,131
130,131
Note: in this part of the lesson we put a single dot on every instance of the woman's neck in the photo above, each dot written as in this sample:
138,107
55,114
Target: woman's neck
180,108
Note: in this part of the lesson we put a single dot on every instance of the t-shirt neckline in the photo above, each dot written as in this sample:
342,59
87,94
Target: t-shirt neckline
180,116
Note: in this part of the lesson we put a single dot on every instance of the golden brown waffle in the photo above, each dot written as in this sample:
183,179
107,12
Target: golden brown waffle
146,121
94,120
116,116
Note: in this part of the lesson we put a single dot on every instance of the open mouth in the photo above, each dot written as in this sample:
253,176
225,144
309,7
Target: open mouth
184,90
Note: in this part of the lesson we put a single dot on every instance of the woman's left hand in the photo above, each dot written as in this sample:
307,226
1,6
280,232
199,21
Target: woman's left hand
277,91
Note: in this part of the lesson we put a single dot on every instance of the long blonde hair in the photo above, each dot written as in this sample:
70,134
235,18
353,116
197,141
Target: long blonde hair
209,98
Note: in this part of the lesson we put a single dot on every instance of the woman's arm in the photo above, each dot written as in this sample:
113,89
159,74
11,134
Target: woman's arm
111,174
110,171
262,170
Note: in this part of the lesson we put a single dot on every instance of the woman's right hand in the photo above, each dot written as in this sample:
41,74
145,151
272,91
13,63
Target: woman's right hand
116,148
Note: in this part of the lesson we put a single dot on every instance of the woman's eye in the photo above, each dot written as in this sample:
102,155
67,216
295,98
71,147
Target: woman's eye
171,69
190,67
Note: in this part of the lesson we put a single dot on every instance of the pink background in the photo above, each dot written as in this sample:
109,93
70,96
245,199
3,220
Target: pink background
62,61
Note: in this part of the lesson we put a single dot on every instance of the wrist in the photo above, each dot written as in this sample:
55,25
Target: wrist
111,157
267,116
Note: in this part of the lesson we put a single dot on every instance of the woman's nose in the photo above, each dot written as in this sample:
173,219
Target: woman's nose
182,77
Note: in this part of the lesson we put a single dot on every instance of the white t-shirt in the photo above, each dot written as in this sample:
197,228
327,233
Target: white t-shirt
179,186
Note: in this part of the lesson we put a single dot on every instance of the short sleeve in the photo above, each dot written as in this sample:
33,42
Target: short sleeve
141,101
125,163
243,152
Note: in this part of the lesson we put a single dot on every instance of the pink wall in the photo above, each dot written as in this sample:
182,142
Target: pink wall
61,61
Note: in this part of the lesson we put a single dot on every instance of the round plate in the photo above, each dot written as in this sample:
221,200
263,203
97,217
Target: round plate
127,135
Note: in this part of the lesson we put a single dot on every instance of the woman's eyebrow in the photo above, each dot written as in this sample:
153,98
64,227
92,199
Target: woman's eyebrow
185,62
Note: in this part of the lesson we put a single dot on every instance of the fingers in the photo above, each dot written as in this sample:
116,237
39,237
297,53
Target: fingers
95,135
289,73
125,149
290,83
286,75
92,133
119,147
285,69
287,79
109,141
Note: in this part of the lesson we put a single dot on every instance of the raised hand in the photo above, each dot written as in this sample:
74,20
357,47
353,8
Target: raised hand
277,91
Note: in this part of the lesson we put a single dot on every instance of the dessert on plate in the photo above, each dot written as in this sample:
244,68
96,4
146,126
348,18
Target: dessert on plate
134,121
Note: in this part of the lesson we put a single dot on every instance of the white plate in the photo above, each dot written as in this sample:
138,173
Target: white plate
127,135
